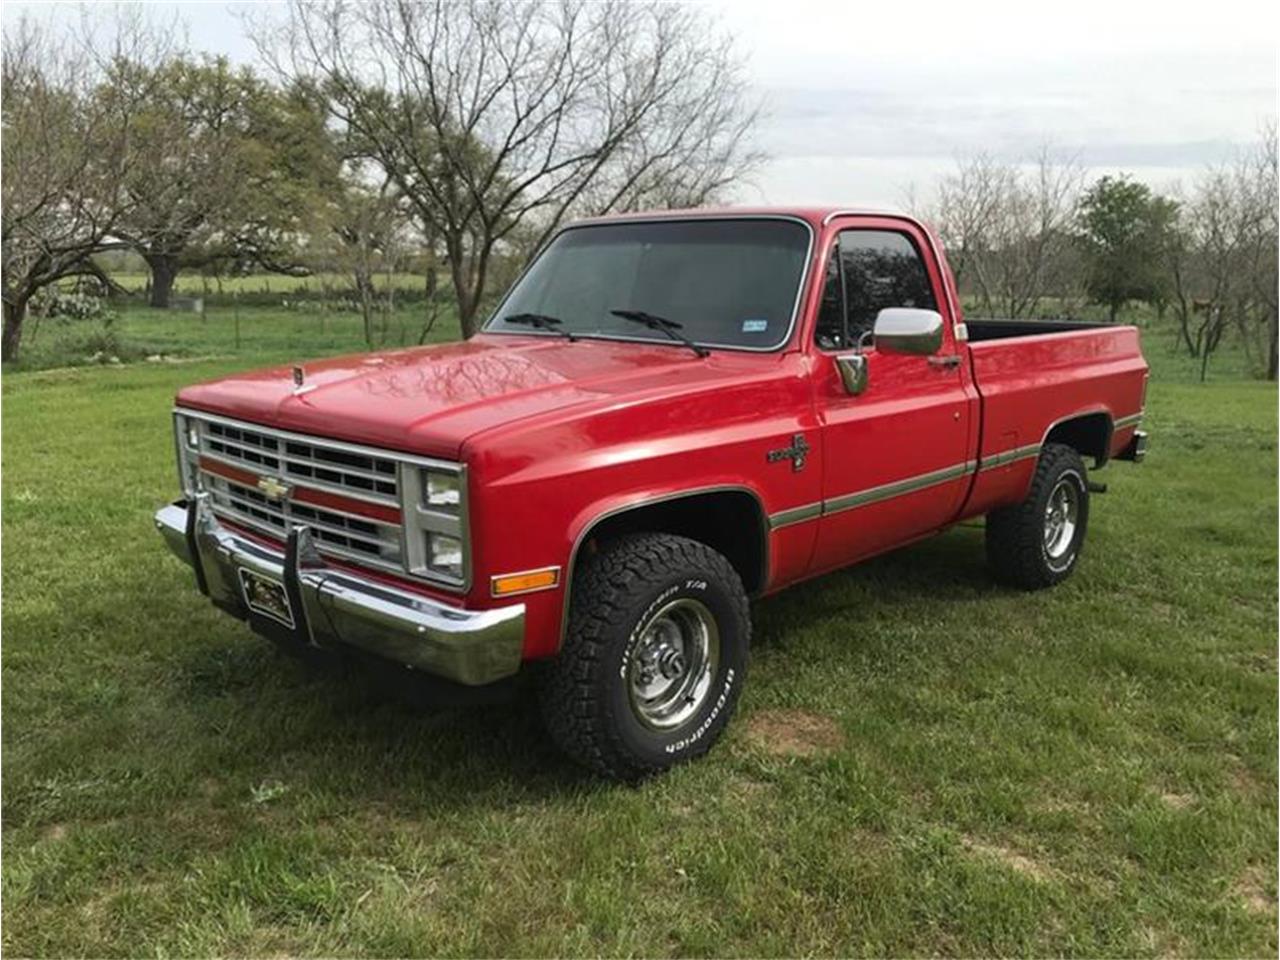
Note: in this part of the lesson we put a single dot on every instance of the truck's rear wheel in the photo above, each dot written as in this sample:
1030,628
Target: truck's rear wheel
654,658
1037,542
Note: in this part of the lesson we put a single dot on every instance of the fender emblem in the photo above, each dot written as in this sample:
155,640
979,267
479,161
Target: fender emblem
795,453
273,489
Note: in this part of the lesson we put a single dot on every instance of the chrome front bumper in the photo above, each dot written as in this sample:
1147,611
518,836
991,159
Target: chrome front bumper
332,606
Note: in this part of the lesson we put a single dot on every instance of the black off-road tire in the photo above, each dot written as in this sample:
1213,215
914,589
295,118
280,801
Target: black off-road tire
584,692
1016,547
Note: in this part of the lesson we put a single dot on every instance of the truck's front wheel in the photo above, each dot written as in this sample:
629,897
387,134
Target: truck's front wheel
654,658
1037,542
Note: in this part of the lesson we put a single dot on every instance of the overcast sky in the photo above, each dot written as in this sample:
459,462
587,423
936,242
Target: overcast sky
864,99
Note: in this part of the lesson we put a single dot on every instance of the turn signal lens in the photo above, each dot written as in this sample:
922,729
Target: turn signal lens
525,582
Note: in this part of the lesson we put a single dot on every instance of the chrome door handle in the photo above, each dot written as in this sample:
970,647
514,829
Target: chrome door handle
945,362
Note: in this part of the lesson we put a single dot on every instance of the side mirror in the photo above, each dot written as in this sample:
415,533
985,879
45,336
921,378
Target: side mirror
908,330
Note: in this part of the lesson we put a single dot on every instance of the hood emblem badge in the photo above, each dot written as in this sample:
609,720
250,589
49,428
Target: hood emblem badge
796,453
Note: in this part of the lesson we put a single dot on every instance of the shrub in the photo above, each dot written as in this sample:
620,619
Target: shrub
51,302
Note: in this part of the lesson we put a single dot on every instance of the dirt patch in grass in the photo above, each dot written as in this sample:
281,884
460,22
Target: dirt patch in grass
1252,889
793,733
1062,806
1243,780
1178,801
745,788
1163,943
1015,861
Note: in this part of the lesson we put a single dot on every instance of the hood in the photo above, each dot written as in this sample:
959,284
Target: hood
430,400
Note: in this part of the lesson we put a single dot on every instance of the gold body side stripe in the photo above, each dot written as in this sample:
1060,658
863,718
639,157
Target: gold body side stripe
899,488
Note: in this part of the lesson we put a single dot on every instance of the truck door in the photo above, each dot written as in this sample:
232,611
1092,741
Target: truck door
897,457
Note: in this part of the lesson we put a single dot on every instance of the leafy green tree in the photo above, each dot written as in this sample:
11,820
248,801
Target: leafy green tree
222,166
64,153
1125,231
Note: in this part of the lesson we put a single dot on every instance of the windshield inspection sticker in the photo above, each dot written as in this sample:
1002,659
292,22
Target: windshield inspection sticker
755,326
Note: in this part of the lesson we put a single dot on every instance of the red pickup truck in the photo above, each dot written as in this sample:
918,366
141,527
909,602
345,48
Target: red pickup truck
667,415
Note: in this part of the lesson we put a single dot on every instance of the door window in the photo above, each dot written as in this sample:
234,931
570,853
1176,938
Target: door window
868,271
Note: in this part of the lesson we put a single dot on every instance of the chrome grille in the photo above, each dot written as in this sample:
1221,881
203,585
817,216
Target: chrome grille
354,474
359,475
357,538
239,464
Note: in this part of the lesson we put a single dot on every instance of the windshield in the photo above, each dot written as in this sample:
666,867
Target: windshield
730,283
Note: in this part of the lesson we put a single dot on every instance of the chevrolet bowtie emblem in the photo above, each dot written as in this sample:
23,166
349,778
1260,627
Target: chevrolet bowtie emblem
273,489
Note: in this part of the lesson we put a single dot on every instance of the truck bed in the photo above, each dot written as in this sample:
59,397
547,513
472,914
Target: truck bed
994,328
1031,376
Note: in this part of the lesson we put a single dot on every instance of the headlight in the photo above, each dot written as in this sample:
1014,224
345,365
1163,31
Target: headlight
444,492
435,515
444,555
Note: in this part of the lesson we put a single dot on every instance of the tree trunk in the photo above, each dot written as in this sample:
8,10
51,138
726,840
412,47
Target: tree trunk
1273,347
14,313
462,294
467,317
1114,309
364,289
164,270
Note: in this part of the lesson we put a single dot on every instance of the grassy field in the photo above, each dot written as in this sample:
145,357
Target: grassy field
923,763
257,333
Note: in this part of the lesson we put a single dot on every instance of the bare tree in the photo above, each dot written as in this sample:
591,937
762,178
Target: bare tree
1223,269
64,150
494,115
370,226
1007,229
1218,231
965,212
1259,188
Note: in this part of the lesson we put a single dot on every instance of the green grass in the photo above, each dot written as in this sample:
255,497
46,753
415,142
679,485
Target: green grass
922,764
258,333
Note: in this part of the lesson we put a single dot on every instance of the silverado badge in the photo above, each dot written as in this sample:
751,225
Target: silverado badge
795,453
273,489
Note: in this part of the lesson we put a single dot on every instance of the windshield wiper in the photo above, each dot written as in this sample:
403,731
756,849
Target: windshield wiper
542,322
669,327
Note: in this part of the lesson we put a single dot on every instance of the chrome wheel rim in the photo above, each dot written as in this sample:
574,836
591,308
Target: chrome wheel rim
1061,517
672,665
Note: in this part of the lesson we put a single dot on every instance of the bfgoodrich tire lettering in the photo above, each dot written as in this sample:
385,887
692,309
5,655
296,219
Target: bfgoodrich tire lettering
630,603
1037,543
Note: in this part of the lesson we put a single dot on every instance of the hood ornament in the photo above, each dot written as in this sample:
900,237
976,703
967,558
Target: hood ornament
299,375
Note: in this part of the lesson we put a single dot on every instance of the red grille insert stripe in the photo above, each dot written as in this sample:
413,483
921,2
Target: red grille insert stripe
320,498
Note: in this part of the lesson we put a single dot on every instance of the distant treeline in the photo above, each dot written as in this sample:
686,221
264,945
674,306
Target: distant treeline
1021,237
